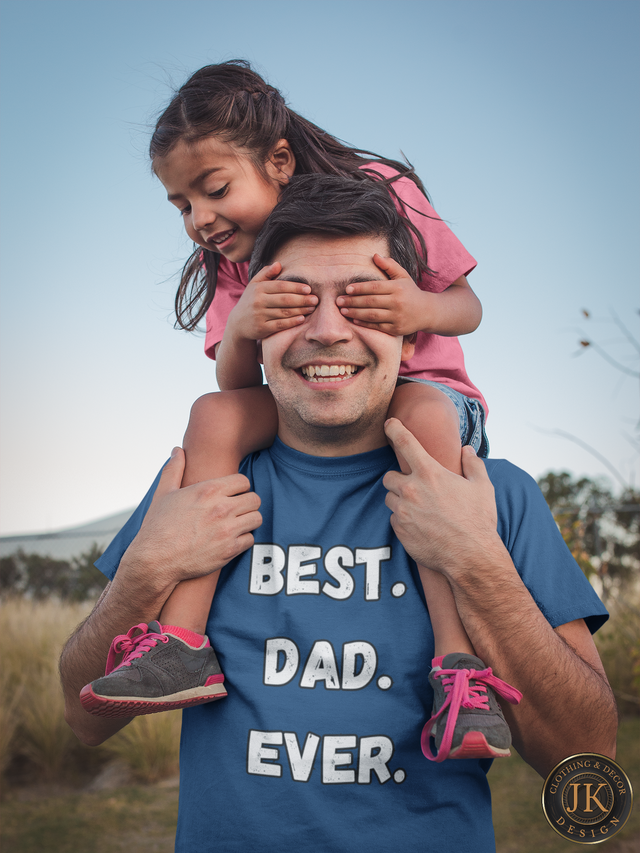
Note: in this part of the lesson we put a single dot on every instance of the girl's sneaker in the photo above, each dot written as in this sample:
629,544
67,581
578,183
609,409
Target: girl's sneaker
467,721
162,668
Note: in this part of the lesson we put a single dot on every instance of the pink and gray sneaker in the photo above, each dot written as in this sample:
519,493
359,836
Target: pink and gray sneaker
162,668
467,721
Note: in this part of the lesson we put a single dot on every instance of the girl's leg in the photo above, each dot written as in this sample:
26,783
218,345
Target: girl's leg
431,416
469,723
223,428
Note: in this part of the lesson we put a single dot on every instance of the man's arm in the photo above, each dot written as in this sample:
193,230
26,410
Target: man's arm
186,533
448,523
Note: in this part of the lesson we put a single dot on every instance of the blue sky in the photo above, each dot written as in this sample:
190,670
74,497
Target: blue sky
521,118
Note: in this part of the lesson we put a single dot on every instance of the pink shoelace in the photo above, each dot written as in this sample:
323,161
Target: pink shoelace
461,693
132,647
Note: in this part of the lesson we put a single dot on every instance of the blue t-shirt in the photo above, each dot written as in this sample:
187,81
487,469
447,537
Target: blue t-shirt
324,637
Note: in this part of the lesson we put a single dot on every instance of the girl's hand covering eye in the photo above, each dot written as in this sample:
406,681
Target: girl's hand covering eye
393,306
270,305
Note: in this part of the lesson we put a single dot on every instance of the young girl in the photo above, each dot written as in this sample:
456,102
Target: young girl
224,148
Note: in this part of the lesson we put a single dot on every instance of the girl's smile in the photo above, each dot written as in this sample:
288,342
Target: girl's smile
224,198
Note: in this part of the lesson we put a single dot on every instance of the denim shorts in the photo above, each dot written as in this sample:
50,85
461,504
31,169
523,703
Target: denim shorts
470,414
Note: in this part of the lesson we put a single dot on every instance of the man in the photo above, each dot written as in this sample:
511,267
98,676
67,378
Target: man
319,623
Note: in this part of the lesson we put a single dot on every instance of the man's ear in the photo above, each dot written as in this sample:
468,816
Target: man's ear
281,162
408,347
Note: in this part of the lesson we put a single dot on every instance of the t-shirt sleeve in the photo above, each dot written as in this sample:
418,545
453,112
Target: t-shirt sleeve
230,285
447,258
545,564
110,560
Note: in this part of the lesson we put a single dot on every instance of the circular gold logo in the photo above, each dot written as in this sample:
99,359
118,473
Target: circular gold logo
587,798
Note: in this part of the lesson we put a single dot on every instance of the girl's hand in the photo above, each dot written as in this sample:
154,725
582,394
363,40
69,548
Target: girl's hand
395,306
268,305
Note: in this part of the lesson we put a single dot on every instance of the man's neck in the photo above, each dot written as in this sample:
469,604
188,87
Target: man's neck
332,441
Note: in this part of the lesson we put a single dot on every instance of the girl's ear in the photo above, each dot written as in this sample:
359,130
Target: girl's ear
281,163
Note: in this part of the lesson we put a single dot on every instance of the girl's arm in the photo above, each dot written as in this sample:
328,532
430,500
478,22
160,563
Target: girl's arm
399,307
266,306
237,363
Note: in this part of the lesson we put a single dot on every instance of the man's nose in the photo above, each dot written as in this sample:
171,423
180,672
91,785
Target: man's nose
327,325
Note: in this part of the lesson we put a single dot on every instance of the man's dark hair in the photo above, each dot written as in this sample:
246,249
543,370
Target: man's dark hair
339,207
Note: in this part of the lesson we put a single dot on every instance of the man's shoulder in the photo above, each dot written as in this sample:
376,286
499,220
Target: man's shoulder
504,473
517,493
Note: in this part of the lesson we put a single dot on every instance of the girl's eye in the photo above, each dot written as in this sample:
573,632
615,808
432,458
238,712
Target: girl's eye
219,193
185,210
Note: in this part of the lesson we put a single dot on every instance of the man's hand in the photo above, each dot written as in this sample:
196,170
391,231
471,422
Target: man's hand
448,523
443,520
185,534
395,306
269,305
193,531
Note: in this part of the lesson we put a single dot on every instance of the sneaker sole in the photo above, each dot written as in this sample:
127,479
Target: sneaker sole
474,745
125,706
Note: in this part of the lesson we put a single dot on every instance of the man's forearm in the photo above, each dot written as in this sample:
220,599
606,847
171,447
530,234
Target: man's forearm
568,706
186,533
122,605
449,524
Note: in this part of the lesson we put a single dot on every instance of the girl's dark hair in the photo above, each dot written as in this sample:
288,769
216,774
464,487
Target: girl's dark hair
333,206
233,103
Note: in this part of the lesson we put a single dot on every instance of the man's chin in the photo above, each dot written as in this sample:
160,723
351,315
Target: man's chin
336,431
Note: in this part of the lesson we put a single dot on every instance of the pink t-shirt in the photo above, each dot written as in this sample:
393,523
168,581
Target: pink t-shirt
437,358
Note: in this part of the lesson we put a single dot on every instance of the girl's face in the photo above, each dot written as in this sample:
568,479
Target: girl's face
223,197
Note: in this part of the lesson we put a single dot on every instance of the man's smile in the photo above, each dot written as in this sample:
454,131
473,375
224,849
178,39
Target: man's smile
328,372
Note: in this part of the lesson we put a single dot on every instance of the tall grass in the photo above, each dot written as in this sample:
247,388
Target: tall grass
149,746
619,645
31,638
33,731
9,706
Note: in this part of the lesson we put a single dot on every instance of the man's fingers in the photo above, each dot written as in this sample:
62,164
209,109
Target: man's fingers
171,477
405,443
251,521
233,484
474,468
246,505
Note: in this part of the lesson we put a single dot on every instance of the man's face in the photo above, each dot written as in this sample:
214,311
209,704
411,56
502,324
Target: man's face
332,381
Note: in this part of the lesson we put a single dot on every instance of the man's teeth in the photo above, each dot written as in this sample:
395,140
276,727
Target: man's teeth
329,373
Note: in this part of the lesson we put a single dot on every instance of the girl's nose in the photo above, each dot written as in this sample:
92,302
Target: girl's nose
202,216
327,325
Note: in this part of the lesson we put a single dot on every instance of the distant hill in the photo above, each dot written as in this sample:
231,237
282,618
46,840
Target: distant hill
68,543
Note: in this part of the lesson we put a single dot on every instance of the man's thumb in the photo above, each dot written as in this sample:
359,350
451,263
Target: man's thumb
473,468
171,477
